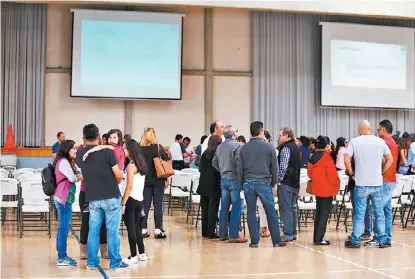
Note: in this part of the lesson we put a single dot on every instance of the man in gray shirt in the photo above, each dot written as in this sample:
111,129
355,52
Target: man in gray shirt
224,161
258,172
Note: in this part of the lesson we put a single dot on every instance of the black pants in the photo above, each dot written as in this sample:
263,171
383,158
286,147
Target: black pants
210,208
322,216
132,222
178,165
85,223
153,192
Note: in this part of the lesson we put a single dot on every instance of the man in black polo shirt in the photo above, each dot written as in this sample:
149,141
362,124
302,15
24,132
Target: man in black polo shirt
102,175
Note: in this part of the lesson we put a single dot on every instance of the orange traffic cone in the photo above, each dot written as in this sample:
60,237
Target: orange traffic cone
10,138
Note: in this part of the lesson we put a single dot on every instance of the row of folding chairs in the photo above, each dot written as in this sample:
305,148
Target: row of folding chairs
26,196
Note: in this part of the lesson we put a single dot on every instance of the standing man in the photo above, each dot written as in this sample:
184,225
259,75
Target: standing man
385,130
190,150
258,172
216,128
368,152
178,153
225,162
102,176
289,163
61,137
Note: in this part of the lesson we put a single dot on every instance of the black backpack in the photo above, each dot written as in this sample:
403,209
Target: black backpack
49,180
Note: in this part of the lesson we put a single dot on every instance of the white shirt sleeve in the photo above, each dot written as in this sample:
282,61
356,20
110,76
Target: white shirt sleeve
350,149
66,169
386,150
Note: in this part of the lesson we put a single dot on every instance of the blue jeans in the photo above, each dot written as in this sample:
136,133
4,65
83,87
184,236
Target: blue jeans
368,214
361,195
254,189
65,216
287,201
231,194
111,209
388,188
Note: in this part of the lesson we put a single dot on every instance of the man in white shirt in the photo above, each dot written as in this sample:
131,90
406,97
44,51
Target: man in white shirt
189,149
216,128
368,152
178,153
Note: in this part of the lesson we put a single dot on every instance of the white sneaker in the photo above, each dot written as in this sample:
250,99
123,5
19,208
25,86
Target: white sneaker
143,257
130,260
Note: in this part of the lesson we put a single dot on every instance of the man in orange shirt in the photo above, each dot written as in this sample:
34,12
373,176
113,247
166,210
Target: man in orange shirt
385,130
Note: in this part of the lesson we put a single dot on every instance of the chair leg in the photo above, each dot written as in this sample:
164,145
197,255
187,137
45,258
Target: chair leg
197,218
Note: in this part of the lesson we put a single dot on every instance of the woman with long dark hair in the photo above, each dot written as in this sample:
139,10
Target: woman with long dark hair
338,155
403,155
67,174
209,189
131,201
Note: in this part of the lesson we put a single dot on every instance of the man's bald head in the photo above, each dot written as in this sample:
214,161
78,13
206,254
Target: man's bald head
364,127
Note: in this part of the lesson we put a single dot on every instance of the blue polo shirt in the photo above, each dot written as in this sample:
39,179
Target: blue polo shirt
55,148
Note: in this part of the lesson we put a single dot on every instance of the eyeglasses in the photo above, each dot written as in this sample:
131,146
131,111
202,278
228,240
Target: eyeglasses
380,129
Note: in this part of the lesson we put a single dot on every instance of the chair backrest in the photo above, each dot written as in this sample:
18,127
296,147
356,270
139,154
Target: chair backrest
5,172
344,180
190,170
8,160
408,183
181,180
20,172
397,192
38,170
32,191
24,178
303,187
8,186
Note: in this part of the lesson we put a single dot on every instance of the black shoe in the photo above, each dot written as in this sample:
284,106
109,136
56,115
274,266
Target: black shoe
253,245
365,236
386,244
146,235
214,236
372,244
280,244
161,235
349,244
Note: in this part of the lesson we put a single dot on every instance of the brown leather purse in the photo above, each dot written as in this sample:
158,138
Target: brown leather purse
164,168
309,188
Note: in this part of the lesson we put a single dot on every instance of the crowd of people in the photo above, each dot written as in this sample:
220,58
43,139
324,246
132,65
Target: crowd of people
228,165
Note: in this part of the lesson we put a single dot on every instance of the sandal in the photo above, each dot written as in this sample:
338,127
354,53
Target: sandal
265,232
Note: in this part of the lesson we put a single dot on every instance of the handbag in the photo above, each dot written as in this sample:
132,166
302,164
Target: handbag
164,168
309,188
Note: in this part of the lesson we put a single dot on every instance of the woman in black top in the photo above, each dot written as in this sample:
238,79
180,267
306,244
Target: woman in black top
209,189
153,186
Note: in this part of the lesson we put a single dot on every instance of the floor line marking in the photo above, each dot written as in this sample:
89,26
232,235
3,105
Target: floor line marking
403,244
99,266
395,268
241,275
347,261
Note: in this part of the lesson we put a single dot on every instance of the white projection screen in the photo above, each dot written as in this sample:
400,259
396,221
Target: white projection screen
367,66
126,55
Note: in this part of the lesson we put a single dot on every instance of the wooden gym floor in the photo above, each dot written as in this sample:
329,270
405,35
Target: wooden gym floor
184,254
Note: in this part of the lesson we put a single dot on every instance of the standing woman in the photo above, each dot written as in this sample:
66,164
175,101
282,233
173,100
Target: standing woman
153,186
131,201
338,155
67,174
209,189
325,183
403,155
304,148
115,139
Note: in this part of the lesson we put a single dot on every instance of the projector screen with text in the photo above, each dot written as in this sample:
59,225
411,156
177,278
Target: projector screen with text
126,55
367,66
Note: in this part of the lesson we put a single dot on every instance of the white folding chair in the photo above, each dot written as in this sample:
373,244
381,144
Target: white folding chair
180,183
20,172
8,162
304,207
9,191
5,172
192,171
35,207
194,199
